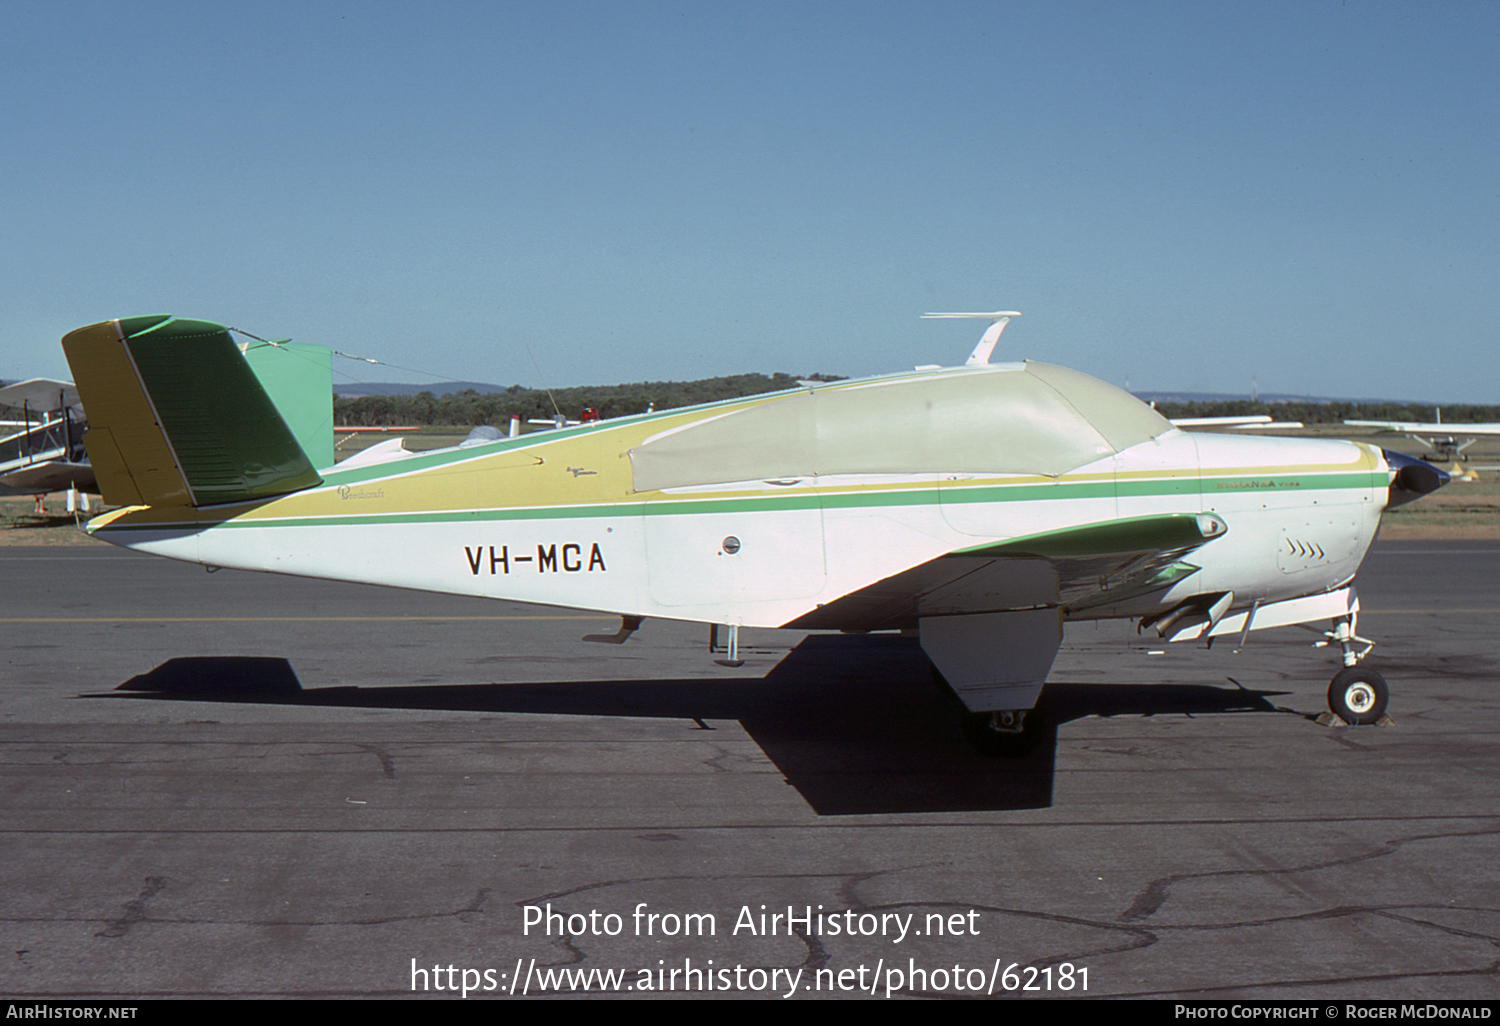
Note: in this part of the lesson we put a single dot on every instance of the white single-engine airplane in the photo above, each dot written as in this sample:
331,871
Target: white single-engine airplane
982,506
1447,442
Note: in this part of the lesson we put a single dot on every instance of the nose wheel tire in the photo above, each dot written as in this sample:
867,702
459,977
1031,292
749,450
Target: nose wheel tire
1358,695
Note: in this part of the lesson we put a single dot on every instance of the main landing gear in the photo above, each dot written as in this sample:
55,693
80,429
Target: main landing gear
1000,732
1356,695
1004,732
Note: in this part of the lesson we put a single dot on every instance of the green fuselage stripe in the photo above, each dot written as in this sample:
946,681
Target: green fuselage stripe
947,493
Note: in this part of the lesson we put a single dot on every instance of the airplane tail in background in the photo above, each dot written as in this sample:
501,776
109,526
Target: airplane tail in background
178,416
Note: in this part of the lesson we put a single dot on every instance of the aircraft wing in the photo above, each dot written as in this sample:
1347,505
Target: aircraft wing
1076,568
42,395
1428,429
49,476
1259,422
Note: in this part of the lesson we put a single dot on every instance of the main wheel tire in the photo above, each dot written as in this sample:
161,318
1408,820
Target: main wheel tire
993,733
1358,695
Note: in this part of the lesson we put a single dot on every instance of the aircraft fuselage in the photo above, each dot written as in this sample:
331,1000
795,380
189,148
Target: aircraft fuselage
539,519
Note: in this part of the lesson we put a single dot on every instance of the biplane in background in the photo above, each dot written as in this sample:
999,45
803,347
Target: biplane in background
43,451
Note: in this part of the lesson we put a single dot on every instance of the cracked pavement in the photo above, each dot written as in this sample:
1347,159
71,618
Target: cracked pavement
245,785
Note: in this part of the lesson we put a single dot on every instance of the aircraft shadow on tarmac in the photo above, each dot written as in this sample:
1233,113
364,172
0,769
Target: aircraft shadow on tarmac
855,723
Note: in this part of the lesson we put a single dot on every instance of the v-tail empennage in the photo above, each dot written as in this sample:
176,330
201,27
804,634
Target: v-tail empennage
178,417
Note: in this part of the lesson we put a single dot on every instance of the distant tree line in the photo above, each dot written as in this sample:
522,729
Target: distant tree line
1332,412
470,408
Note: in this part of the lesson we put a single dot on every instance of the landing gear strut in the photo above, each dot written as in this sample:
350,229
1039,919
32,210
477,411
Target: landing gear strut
1356,695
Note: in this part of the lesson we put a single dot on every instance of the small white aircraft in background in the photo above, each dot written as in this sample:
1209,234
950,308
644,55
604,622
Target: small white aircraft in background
1446,442
982,506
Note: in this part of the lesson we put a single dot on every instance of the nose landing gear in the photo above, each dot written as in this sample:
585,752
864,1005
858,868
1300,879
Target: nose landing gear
1358,695
1355,696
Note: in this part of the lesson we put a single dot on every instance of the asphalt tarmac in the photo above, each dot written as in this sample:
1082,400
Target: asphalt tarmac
236,784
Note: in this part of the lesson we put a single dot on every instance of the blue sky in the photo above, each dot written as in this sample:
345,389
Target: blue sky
1181,195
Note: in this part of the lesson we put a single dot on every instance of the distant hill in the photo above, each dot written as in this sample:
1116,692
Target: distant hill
1263,397
355,389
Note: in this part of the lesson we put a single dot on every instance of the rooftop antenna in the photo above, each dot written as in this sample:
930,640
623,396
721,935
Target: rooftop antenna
981,354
